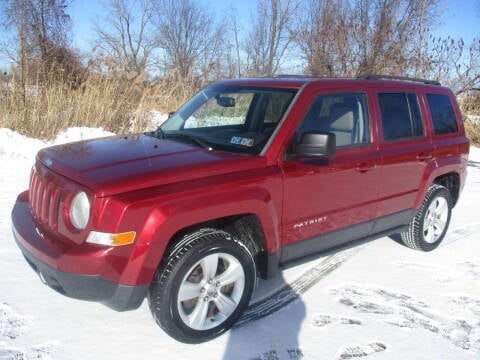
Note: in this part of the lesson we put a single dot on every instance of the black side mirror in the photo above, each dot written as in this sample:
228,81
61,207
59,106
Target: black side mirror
170,114
316,144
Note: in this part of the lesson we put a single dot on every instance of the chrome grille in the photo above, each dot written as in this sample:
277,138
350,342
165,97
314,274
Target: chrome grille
44,200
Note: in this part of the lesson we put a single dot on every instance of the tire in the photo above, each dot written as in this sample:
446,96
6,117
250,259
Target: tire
202,286
430,223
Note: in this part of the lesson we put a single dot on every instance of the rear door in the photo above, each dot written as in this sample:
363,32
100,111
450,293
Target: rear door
330,201
405,150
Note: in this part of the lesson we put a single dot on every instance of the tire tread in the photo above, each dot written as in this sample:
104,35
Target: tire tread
159,286
413,236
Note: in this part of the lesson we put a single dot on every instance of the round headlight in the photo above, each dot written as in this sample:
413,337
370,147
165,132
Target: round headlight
80,211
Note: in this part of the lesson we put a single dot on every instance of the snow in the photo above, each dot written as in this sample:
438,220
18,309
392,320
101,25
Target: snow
79,133
155,119
378,300
474,118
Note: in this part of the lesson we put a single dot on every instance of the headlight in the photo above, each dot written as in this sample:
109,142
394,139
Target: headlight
80,211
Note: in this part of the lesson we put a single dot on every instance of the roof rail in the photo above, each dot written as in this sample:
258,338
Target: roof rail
296,76
391,77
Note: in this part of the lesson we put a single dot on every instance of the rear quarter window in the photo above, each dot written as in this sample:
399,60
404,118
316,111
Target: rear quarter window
443,116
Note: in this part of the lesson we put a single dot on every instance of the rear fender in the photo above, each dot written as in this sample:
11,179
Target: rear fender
441,167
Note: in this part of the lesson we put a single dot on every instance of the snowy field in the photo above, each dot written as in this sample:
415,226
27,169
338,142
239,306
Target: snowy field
379,300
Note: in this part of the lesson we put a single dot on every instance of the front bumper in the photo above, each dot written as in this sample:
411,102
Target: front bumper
80,286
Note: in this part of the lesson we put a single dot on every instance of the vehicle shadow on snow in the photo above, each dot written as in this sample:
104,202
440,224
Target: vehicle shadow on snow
274,337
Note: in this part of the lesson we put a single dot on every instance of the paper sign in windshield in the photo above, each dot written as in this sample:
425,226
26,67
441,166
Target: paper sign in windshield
238,140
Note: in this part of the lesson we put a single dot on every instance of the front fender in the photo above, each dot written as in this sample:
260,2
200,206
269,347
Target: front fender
164,216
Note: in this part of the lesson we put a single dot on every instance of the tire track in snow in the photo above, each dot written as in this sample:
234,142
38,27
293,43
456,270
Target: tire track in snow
474,164
290,292
461,233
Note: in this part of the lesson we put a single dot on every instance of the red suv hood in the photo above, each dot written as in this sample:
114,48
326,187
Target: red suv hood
119,164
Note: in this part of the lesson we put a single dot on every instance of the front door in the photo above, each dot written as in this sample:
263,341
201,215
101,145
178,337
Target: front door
331,201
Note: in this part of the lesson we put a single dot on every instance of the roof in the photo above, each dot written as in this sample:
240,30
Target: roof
297,81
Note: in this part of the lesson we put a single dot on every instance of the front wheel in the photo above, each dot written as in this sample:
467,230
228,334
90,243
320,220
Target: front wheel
429,226
203,286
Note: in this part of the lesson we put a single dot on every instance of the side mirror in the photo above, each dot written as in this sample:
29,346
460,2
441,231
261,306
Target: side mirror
316,144
170,114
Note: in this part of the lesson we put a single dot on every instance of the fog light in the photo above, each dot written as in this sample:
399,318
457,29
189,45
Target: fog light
109,239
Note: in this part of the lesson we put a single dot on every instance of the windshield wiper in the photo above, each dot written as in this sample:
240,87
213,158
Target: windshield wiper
158,133
192,138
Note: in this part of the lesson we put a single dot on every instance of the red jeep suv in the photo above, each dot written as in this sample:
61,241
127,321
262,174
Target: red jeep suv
246,177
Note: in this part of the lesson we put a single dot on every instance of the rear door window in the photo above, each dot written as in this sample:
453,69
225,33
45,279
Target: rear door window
443,116
401,118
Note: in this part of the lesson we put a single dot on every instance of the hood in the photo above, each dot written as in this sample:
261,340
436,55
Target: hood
125,163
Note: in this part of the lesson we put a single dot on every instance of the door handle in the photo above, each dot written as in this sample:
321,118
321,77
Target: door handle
363,167
424,156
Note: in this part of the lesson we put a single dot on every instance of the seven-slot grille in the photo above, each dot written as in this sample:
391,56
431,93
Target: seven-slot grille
44,200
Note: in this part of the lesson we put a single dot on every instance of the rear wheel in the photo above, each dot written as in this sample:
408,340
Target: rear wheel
429,226
203,286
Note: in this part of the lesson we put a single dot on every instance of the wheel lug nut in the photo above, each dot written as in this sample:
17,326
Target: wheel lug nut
202,290
217,284
206,298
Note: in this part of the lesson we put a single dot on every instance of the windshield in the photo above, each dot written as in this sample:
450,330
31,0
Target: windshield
239,119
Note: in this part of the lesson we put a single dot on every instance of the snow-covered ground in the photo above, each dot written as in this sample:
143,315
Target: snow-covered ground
379,300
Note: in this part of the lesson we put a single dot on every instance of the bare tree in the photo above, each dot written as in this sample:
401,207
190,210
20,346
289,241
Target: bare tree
455,63
129,39
211,60
14,23
38,24
366,36
389,36
38,31
271,35
236,45
324,38
189,38
467,67
233,66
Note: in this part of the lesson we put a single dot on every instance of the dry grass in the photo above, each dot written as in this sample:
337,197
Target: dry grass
472,128
470,107
116,105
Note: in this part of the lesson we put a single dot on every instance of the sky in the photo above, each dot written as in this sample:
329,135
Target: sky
459,19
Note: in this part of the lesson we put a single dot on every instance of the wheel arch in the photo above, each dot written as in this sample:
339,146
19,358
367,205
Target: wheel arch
451,182
256,208
245,227
448,177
